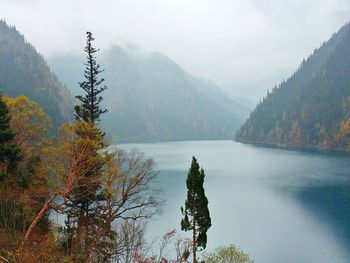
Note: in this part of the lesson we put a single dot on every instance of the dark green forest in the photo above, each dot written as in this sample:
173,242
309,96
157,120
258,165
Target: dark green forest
311,108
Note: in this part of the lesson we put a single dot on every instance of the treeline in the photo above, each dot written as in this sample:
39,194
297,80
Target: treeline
310,109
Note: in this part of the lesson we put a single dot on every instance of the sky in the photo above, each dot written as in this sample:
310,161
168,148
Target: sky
244,46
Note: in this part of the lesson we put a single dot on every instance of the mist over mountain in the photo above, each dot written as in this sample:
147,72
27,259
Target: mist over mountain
310,109
151,98
23,71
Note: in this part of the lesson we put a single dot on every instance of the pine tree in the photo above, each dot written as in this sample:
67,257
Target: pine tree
90,109
9,151
196,212
82,207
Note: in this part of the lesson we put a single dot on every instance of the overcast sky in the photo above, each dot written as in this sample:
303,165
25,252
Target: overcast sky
245,46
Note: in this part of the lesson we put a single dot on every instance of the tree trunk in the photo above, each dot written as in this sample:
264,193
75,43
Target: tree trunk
194,242
4,259
36,220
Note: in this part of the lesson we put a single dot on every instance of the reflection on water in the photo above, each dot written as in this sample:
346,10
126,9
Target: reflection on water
277,205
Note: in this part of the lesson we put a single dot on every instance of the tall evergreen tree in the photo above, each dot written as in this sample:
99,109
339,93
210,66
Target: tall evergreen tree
90,109
83,206
196,213
9,151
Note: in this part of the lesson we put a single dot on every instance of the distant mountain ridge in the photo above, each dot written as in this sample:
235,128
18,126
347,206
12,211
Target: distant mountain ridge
312,108
151,98
23,71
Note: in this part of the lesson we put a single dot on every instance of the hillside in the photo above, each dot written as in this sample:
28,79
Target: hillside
151,98
23,71
312,108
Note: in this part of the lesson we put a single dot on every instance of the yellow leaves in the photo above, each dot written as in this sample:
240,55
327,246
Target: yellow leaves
82,134
230,254
77,157
27,188
344,128
344,131
29,122
295,125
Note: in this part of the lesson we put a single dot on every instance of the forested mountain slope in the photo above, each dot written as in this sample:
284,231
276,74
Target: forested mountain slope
23,71
151,98
312,108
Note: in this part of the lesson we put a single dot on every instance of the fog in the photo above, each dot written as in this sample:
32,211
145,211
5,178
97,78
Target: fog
245,46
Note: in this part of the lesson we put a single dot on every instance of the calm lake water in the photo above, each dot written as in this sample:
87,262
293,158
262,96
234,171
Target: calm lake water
276,205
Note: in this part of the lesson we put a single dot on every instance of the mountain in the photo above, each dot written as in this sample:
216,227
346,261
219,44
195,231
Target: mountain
151,98
312,108
23,71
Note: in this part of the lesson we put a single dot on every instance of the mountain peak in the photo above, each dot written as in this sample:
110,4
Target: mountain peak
151,98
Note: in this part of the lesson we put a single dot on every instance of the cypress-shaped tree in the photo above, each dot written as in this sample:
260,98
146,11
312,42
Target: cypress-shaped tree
9,151
196,212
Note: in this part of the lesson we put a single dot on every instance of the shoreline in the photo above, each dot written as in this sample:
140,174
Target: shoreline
309,148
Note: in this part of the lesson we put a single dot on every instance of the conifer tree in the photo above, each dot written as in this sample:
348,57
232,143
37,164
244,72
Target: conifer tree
83,206
9,151
90,109
196,212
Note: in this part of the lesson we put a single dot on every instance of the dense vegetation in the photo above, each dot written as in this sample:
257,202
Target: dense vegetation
312,108
152,98
25,72
25,187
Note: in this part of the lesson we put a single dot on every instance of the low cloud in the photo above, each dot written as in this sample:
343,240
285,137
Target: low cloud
245,46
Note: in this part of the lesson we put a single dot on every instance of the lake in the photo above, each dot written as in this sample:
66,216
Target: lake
276,205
